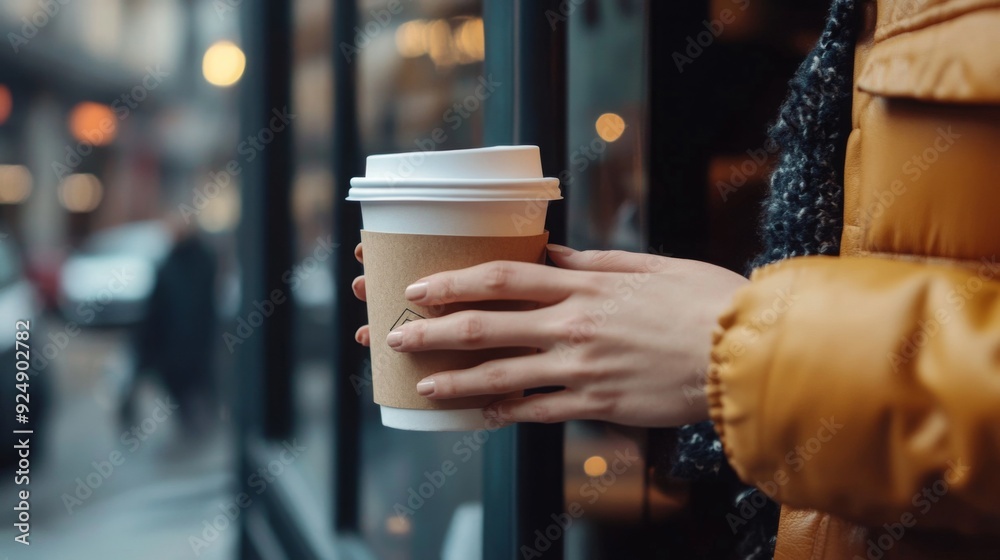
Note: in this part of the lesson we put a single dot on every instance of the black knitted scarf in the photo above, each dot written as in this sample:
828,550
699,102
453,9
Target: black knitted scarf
803,215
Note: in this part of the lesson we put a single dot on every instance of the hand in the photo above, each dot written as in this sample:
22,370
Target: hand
627,336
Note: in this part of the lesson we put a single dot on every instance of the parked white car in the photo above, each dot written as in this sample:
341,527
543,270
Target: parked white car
109,280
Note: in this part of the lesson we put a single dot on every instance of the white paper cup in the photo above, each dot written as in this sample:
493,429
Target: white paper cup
483,192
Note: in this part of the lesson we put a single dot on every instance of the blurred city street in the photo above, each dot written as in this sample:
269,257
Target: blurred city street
150,504
178,249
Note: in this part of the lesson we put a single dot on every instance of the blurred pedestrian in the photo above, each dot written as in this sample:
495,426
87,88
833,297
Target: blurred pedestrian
175,340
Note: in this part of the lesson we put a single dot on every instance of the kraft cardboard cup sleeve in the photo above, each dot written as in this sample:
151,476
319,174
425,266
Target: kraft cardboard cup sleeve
427,212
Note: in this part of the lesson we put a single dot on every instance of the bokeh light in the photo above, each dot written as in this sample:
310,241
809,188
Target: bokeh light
15,184
446,44
595,466
6,103
222,213
397,525
440,44
81,192
223,64
411,39
93,123
470,40
610,127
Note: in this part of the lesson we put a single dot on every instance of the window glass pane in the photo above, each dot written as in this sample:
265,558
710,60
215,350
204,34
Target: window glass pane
310,281
606,127
714,108
418,73
606,124
118,220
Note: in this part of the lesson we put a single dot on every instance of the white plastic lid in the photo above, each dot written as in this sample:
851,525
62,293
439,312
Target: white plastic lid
495,173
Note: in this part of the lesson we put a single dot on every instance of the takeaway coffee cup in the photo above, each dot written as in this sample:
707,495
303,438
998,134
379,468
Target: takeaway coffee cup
427,212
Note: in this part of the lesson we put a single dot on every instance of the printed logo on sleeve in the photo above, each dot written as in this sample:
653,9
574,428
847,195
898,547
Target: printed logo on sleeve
405,317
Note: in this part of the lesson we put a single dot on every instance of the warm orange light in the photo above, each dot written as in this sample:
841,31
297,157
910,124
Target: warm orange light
595,466
6,103
397,525
223,64
15,184
440,43
93,123
81,192
610,127
411,39
470,39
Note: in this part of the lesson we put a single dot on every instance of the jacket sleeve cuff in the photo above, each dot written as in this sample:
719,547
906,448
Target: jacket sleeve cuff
735,393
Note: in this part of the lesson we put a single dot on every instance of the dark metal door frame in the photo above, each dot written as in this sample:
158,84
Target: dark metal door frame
523,473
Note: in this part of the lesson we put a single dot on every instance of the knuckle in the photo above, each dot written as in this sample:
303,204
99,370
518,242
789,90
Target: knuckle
503,415
576,329
449,291
496,378
498,276
444,385
601,402
541,413
444,291
471,329
416,334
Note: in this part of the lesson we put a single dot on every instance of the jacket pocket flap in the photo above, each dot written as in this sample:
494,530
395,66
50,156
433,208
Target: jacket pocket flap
952,61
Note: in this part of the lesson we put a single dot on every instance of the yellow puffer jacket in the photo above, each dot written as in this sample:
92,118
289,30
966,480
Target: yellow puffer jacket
863,392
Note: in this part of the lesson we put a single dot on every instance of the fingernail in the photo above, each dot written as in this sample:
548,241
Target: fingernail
416,291
425,387
395,339
553,248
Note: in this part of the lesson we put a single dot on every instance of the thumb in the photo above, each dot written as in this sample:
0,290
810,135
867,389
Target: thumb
600,261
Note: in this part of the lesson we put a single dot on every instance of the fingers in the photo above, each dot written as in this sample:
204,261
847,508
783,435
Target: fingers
604,261
471,330
546,408
496,377
359,288
499,280
363,336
